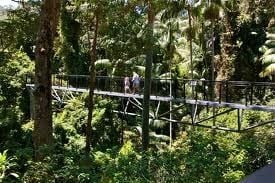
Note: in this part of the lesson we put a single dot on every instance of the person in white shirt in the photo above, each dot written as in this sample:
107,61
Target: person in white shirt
136,82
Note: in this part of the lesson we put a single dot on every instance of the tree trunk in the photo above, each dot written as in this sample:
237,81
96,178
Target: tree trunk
190,42
43,130
91,87
225,66
191,59
147,84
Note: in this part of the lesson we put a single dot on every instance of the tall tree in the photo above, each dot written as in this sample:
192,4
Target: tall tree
212,13
152,6
99,8
43,129
148,71
228,39
92,84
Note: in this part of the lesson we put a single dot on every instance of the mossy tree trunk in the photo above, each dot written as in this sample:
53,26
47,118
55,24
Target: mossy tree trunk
148,72
43,130
225,66
92,85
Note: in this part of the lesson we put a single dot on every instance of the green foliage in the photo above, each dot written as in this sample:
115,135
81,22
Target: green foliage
13,70
70,124
197,155
212,12
104,66
39,172
18,31
218,152
69,50
268,57
6,164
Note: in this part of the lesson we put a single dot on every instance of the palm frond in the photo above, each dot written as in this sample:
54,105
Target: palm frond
159,137
268,59
270,36
140,69
263,49
138,60
212,12
165,75
157,123
103,63
268,71
270,43
269,51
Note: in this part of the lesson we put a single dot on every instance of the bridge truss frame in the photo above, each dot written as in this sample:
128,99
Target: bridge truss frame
61,94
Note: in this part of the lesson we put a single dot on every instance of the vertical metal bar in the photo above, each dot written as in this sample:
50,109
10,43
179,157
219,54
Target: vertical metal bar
220,92
68,80
239,119
31,103
251,94
214,116
207,84
110,81
156,87
170,114
153,87
115,84
212,90
166,86
204,90
54,79
88,80
122,85
184,90
226,92
196,93
97,84
246,95
175,87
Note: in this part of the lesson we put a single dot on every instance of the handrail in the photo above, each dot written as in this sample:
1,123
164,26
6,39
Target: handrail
239,92
245,83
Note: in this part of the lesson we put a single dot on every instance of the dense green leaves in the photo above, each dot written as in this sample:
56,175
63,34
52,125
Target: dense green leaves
243,34
268,57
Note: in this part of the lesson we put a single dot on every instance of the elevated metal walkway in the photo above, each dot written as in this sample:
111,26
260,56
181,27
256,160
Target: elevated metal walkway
231,95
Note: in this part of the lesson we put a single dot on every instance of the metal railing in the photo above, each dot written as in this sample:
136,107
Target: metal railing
239,92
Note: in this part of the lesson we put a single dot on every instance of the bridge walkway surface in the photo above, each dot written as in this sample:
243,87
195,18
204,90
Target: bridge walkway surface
231,95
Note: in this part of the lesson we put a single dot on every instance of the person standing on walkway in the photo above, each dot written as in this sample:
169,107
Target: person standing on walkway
127,85
136,82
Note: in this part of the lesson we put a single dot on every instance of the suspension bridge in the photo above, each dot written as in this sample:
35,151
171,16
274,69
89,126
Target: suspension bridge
170,96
